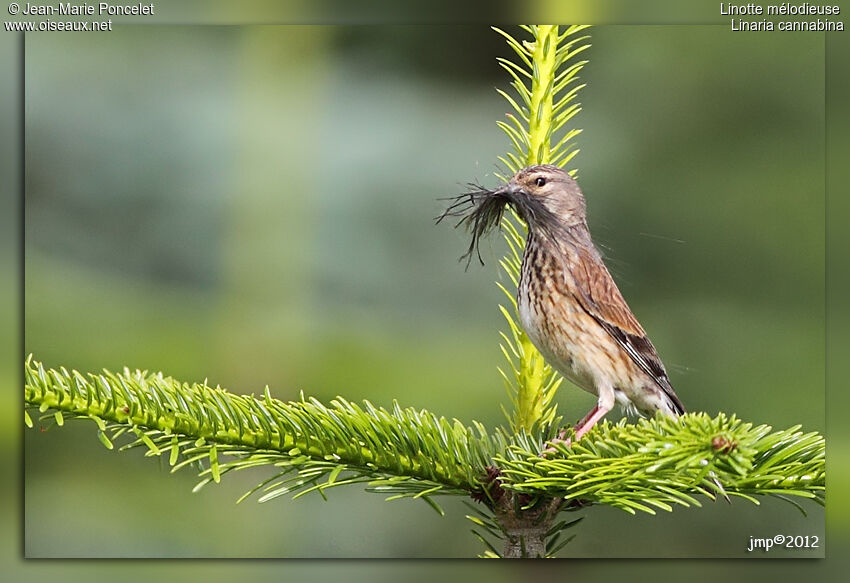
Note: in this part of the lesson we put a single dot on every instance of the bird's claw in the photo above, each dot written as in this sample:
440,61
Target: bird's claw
561,438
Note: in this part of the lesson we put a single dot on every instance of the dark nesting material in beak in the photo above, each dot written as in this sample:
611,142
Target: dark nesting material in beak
480,210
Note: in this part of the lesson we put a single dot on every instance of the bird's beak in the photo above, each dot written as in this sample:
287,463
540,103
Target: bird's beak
510,192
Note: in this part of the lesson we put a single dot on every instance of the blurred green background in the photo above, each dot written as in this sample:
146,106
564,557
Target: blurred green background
254,205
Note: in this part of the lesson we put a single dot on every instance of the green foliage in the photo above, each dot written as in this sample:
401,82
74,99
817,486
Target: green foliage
405,453
545,83
402,453
410,453
659,462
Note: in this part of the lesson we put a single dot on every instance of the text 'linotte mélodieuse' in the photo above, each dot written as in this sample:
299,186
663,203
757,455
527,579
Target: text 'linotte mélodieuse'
807,17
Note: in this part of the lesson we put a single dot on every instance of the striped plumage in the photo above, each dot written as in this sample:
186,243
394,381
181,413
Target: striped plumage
568,302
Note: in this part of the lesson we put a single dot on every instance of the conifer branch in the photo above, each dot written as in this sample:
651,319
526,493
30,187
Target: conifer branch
659,462
413,453
402,452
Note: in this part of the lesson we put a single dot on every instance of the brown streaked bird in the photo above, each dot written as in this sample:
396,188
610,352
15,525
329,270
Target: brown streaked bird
568,302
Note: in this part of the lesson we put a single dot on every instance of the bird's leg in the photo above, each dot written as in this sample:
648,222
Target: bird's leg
603,405
590,420
562,438
562,434
588,416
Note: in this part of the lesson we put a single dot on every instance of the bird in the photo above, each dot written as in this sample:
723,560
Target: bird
568,303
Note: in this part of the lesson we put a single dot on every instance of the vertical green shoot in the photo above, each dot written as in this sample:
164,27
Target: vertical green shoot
544,81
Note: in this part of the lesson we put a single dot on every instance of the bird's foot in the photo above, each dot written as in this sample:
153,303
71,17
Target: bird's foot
561,438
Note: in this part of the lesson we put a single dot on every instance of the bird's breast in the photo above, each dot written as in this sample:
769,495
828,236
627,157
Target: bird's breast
553,323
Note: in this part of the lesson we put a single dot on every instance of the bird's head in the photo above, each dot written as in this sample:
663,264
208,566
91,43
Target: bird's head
535,188
546,197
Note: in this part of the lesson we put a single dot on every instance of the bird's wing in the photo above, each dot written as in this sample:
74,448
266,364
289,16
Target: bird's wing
599,296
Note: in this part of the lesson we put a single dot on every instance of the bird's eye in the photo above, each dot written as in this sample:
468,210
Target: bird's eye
540,181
